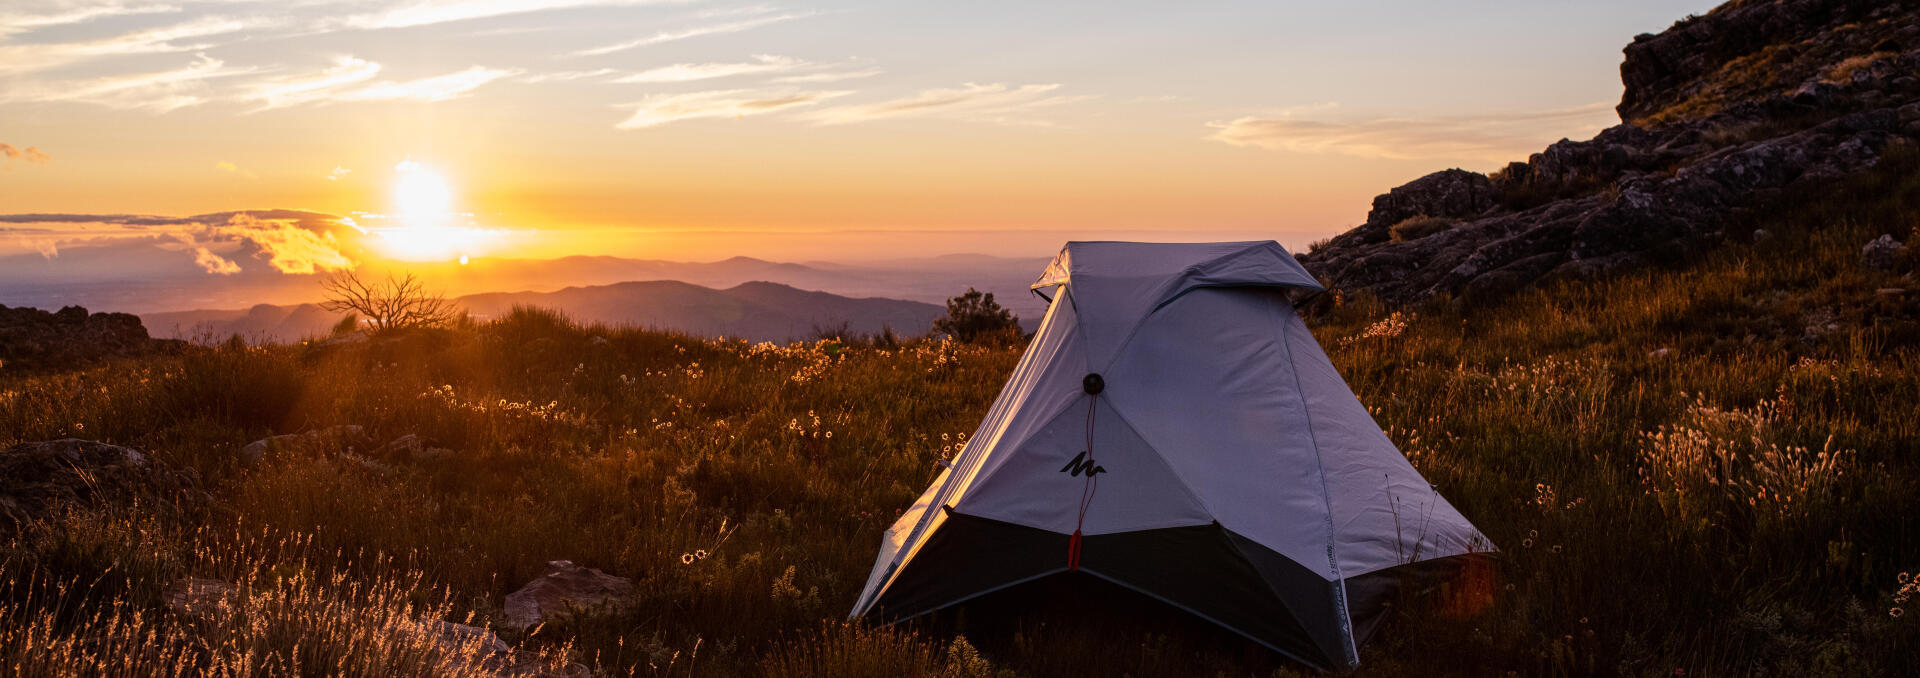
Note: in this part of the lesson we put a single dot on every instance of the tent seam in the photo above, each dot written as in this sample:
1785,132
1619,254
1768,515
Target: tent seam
923,531
1195,268
1326,495
1158,292
1064,408
1177,478
1209,618
895,619
1235,545
1179,288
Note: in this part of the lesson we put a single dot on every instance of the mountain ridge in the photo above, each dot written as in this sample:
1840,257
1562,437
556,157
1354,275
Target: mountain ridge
756,310
174,285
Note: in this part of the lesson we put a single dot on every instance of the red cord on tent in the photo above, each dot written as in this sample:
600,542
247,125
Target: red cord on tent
1087,490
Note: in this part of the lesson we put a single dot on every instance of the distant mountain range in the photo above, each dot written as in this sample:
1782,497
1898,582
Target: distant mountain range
758,311
150,277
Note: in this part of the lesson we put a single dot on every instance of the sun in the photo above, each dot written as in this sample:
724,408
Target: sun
421,195
425,225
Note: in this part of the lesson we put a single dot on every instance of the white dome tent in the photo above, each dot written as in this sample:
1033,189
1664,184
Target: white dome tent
1175,429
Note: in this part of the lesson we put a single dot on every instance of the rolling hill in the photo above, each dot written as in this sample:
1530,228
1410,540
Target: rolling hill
759,311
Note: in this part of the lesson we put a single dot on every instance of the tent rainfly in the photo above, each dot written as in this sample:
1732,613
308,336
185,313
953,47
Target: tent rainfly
1175,429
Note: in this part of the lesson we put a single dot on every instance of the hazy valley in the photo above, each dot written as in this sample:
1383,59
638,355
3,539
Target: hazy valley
710,299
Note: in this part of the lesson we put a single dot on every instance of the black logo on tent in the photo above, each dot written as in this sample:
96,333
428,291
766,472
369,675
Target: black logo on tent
1081,464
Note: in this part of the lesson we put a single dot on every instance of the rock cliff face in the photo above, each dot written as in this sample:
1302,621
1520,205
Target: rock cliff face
1722,113
31,338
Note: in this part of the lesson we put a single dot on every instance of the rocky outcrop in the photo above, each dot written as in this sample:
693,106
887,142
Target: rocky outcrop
412,447
341,438
1884,253
1453,193
567,589
1751,50
1725,112
37,478
348,441
34,339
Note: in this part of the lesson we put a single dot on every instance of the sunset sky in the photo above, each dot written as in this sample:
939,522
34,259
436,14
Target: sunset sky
700,130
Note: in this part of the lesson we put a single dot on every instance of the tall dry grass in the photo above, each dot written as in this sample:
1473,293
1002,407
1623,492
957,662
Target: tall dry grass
104,592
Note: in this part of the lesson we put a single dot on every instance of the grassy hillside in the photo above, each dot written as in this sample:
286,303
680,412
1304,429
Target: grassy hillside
1707,469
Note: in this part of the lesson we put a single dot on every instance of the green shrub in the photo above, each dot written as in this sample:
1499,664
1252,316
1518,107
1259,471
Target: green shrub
1419,226
975,317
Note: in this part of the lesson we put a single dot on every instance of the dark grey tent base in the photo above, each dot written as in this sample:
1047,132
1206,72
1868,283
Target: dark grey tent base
1368,595
1204,570
1129,630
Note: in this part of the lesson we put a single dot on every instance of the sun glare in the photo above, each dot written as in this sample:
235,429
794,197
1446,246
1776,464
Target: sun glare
425,226
420,195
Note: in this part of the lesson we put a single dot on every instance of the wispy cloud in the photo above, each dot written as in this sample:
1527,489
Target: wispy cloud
205,257
236,170
425,12
565,76
1491,137
159,92
338,173
761,64
739,10
28,58
829,76
20,19
288,246
29,154
348,80
661,109
694,32
47,249
283,92
436,88
289,241
996,102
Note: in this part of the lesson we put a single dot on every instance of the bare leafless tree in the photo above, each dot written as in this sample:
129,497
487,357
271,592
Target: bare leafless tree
395,303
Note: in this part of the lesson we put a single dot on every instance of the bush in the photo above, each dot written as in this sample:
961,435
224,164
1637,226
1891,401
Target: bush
975,316
393,304
1419,226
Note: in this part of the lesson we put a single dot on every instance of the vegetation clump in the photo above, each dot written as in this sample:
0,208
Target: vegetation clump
396,303
1419,226
975,317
